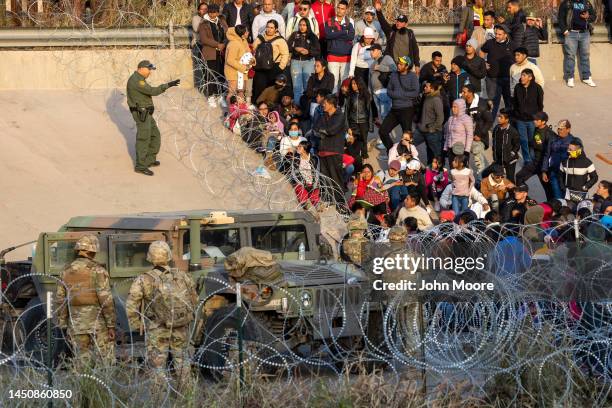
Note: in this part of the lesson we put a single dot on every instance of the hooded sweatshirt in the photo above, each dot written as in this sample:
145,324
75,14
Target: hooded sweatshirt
235,49
459,128
517,69
432,113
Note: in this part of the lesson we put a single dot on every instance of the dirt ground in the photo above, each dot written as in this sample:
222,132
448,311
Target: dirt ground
67,153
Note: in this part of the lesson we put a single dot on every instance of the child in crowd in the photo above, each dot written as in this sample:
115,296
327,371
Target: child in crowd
238,107
463,181
436,180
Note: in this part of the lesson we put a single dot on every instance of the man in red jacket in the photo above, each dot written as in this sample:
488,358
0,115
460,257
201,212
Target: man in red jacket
323,11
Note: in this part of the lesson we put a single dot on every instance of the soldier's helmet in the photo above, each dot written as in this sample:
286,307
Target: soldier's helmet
88,243
357,224
397,234
159,253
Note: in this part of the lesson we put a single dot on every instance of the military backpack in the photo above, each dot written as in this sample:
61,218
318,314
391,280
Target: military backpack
171,300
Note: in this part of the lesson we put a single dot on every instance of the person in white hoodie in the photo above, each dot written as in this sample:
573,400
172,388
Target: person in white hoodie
267,14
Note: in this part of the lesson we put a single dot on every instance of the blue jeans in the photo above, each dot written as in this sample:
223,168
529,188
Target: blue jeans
348,172
397,194
383,104
555,185
300,72
460,204
526,131
496,89
576,44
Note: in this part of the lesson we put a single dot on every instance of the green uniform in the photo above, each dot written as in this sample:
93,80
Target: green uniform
148,138
162,339
86,309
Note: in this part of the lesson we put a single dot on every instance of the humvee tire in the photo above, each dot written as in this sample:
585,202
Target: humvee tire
218,355
34,323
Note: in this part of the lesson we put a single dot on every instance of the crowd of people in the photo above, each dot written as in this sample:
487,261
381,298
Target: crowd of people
310,86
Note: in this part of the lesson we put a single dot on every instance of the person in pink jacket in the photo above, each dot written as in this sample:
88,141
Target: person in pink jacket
459,132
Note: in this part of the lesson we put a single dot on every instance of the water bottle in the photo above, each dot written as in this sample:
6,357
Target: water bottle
302,252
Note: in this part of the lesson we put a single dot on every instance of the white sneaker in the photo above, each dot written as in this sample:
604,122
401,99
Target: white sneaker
570,82
589,82
212,101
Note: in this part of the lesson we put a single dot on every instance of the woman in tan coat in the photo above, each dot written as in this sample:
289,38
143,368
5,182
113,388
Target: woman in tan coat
234,51
280,58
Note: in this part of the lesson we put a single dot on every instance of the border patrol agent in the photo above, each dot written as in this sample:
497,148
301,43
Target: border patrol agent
85,304
140,101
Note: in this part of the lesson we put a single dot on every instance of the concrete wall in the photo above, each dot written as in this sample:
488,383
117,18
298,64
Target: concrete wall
89,69
103,69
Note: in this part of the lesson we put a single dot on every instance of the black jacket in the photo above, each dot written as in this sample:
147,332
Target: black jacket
391,32
533,35
517,29
314,84
541,139
483,120
578,174
477,69
454,85
357,110
230,12
305,40
331,129
506,145
500,57
429,73
527,101
420,187
566,14
509,205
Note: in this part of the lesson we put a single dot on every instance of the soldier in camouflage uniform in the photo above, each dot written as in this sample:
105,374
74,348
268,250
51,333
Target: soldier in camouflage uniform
166,298
85,304
353,245
140,101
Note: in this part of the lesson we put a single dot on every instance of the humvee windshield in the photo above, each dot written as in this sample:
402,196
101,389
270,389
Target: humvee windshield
282,238
216,243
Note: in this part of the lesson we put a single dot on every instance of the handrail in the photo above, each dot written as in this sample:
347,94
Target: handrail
441,34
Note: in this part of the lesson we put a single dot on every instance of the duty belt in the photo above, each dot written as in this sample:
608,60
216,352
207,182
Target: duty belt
150,110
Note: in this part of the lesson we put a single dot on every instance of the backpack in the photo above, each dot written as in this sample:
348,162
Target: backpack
264,60
171,302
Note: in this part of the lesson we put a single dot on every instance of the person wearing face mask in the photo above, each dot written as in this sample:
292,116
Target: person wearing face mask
289,144
272,94
578,173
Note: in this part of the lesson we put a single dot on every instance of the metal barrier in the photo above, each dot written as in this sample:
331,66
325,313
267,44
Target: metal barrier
179,36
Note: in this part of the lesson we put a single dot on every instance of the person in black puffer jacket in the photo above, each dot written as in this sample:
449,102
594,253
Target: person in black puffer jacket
535,31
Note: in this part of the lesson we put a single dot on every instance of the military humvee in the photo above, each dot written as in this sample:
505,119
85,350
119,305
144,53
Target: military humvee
315,302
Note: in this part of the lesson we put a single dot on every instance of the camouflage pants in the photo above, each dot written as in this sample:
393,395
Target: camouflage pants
163,341
89,347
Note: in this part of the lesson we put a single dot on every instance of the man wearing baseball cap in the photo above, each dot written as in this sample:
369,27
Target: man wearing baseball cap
556,153
541,138
400,39
369,20
140,102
